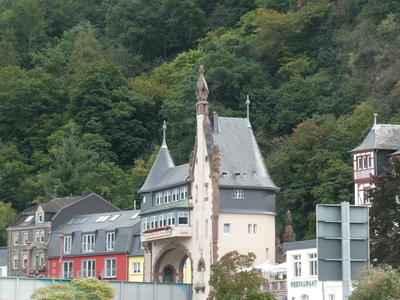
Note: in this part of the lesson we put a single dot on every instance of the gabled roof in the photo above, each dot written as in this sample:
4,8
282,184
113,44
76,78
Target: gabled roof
241,161
300,245
382,137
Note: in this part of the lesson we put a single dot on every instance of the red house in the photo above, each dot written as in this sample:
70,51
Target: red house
95,245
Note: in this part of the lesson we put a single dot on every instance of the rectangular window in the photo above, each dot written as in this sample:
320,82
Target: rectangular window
40,218
68,270
24,260
153,222
227,228
37,236
331,297
42,259
297,265
25,237
110,240
238,194
369,166
145,224
184,193
312,258
158,198
364,162
359,163
136,268
15,261
42,236
88,268
167,196
67,244
110,267
171,219
37,261
87,242
183,218
162,220
175,195
16,236
254,228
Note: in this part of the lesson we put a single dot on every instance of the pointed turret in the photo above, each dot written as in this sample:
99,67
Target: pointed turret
162,163
202,94
288,235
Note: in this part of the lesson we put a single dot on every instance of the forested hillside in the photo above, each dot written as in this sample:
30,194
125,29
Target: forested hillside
86,85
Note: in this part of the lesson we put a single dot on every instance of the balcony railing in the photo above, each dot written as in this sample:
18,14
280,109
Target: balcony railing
166,233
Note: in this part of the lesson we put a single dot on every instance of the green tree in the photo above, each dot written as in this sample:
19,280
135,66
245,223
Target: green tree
71,163
376,283
385,216
7,215
79,289
232,278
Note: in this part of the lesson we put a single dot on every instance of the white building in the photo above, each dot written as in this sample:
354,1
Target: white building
302,276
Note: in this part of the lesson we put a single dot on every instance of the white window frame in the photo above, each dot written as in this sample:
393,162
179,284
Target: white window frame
227,228
162,220
331,297
37,236
136,268
312,258
15,261
145,224
24,260
297,265
42,236
110,268
359,163
67,244
40,218
153,222
175,195
183,215
183,191
16,239
167,197
88,242
110,240
238,194
171,219
68,270
159,198
88,268
25,235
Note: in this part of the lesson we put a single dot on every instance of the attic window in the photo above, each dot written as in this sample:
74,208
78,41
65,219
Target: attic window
114,217
238,194
40,218
81,220
28,219
134,216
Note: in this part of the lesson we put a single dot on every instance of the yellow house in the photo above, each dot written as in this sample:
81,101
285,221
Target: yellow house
135,268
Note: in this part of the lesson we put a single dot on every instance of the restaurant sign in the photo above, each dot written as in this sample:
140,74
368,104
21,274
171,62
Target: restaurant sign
303,283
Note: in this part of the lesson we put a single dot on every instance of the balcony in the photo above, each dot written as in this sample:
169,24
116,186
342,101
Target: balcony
166,233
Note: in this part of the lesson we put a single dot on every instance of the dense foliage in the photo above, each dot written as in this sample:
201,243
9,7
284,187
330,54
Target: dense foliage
376,283
79,289
85,86
234,278
385,216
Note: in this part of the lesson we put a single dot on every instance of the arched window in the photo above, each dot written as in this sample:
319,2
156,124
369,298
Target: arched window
168,274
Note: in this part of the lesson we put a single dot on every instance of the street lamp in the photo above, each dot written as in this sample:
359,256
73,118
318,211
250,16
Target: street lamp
61,253
28,259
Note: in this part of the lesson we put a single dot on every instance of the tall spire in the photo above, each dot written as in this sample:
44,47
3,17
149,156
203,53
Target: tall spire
248,109
201,93
164,143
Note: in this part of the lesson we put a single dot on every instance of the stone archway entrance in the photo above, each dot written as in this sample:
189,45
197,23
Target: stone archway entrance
170,265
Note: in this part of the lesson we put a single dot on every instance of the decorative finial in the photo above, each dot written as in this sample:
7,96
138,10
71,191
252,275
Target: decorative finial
248,109
164,143
375,115
202,88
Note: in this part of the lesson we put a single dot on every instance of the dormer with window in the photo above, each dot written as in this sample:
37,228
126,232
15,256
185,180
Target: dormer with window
39,215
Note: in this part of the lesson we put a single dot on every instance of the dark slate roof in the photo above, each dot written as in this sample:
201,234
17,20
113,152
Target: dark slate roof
169,206
240,154
3,256
90,225
299,245
164,174
50,207
381,136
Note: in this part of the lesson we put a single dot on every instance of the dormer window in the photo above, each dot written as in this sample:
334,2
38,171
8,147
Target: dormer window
40,218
